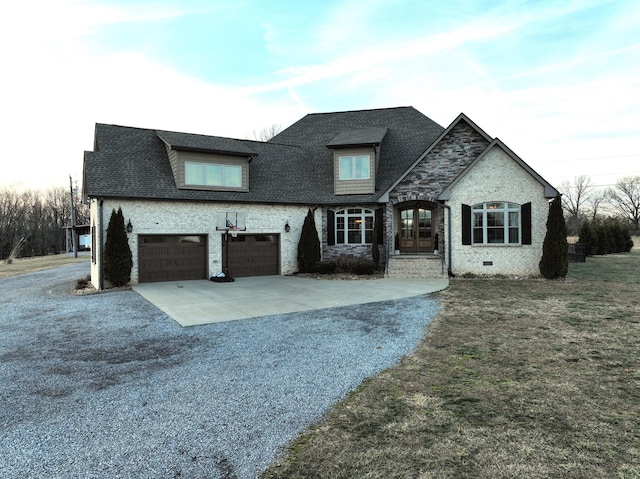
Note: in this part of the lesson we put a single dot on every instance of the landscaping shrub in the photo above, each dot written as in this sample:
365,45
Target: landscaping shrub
587,238
360,266
118,261
309,245
325,267
605,236
555,250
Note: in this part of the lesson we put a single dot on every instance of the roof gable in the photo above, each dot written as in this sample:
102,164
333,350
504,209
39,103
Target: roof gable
461,118
549,191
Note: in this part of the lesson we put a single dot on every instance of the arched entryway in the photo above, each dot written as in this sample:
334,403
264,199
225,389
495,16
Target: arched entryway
416,227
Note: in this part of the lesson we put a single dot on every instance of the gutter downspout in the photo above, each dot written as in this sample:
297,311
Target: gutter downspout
449,273
101,244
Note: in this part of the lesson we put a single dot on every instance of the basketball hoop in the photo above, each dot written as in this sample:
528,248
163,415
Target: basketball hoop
231,221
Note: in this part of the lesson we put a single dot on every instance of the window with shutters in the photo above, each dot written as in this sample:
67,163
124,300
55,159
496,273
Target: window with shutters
354,226
495,223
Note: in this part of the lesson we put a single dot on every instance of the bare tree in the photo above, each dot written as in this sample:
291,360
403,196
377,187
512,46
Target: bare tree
35,219
574,198
597,199
625,198
12,213
267,132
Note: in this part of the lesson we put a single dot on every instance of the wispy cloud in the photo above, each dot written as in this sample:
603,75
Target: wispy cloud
564,100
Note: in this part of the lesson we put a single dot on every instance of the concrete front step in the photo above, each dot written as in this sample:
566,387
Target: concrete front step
415,267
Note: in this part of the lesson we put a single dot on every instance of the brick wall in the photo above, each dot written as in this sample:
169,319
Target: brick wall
497,177
163,217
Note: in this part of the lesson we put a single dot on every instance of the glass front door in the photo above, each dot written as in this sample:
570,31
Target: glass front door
415,230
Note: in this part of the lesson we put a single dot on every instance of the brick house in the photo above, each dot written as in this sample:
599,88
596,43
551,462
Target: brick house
438,200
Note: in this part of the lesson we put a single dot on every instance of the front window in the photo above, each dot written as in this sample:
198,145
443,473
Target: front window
354,226
496,223
354,167
212,174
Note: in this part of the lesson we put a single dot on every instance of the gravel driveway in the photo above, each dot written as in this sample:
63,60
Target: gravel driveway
108,386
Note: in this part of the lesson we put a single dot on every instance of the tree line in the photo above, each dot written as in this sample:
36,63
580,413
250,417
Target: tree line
32,221
583,202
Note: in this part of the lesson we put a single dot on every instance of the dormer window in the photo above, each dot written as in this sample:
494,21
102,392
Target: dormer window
355,154
354,167
212,174
207,162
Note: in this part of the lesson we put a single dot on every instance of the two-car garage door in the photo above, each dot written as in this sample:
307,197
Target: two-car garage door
184,257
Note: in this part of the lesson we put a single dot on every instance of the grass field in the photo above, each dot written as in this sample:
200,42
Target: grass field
515,379
38,263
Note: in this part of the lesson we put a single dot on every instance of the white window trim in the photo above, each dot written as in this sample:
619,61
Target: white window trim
509,208
363,214
353,160
203,166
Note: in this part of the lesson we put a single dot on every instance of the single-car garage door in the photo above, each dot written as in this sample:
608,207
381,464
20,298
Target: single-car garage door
253,255
171,257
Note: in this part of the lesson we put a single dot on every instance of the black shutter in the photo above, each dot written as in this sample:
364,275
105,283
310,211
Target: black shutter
525,211
466,224
331,228
379,232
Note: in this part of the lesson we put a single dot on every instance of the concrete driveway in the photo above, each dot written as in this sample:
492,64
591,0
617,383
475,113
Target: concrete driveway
192,303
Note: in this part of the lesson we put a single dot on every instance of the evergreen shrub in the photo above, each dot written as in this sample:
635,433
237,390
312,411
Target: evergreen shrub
118,260
325,267
555,249
309,252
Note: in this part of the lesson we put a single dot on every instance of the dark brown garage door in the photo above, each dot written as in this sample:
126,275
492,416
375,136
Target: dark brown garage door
171,257
253,255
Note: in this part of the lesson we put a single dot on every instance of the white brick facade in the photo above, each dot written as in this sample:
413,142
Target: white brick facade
199,218
497,177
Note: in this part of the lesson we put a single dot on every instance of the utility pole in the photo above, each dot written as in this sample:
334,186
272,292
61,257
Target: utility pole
74,237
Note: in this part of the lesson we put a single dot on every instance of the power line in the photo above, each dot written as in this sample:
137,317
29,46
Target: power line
588,159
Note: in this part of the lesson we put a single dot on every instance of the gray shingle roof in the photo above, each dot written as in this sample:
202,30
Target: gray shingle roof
293,167
358,136
213,144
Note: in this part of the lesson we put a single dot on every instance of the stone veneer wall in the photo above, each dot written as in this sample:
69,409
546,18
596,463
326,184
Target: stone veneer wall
446,160
497,177
164,217
336,251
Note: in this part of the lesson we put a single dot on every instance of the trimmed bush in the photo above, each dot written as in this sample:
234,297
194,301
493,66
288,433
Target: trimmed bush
309,245
555,249
587,238
360,266
363,266
606,236
118,261
325,267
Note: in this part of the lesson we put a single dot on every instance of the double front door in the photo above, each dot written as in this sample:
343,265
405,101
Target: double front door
416,235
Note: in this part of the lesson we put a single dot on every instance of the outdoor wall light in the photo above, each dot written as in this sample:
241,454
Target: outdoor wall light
287,228
129,227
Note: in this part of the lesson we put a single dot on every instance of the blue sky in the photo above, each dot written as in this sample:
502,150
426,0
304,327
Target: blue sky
557,81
